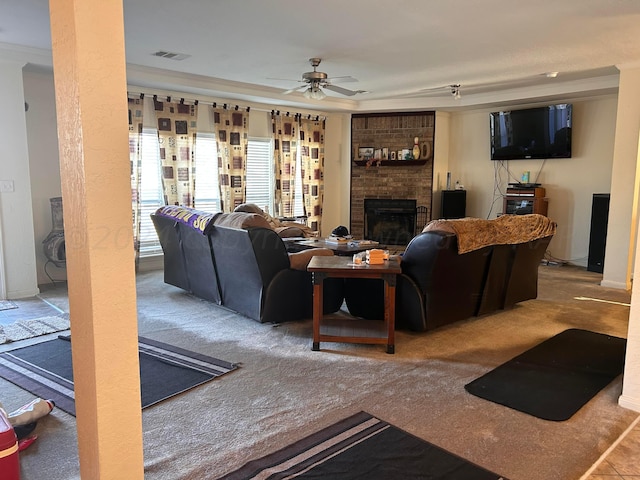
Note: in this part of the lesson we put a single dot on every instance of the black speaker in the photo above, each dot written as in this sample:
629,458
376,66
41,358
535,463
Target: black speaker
453,204
598,235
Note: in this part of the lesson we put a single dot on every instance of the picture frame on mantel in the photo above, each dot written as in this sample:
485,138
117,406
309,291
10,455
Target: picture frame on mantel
365,153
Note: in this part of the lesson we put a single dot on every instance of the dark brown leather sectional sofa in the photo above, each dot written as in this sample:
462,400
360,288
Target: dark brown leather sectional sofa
228,260
439,285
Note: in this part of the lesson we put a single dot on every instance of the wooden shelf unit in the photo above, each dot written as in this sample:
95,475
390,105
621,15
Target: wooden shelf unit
391,163
525,200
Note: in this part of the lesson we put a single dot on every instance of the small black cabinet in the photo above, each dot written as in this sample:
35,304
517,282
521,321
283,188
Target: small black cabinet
453,204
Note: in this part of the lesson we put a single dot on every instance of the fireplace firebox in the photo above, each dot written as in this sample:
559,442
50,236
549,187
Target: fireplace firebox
389,221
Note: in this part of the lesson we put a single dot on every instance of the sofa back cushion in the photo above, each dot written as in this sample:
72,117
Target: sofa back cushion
200,264
246,262
175,271
451,283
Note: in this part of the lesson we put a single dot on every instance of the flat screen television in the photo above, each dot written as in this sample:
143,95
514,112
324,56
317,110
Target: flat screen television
542,132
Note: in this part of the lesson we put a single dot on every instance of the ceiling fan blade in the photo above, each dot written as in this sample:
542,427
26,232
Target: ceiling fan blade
297,89
342,91
344,79
285,79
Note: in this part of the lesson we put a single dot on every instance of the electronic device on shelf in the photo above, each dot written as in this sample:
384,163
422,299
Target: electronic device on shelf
524,185
521,200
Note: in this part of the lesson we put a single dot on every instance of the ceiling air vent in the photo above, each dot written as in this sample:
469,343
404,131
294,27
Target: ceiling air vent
171,55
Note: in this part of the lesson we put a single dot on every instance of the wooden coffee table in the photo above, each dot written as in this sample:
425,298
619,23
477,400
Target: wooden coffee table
352,329
345,249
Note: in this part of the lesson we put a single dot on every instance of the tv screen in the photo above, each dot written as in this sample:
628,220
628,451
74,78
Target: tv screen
543,132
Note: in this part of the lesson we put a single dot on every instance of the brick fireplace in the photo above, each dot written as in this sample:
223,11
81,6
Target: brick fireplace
391,180
389,221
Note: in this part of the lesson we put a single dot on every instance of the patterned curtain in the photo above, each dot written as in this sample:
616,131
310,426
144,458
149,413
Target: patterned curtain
135,159
177,139
312,162
284,157
232,136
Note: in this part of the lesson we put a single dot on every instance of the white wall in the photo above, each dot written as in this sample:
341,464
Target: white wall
441,156
44,162
16,227
570,183
337,173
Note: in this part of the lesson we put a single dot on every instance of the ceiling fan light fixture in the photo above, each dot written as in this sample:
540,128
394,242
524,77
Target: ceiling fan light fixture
314,92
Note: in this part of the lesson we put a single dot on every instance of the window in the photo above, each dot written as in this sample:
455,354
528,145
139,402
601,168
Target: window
207,195
151,197
260,174
298,207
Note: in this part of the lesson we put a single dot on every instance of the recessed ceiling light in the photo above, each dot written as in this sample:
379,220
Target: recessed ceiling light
551,74
170,55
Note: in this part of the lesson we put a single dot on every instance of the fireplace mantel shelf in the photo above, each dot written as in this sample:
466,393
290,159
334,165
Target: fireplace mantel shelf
391,163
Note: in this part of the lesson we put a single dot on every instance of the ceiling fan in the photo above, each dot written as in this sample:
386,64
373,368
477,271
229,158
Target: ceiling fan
315,81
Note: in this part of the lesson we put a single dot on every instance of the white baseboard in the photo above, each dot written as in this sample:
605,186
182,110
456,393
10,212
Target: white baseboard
629,402
18,294
612,284
147,264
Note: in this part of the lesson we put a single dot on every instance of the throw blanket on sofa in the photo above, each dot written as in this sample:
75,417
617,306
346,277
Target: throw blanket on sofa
476,233
196,219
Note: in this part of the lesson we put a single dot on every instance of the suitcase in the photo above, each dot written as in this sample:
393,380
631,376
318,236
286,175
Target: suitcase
9,464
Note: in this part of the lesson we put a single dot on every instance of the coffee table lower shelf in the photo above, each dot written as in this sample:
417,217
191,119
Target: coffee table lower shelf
353,330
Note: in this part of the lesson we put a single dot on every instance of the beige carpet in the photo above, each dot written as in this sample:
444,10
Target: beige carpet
284,391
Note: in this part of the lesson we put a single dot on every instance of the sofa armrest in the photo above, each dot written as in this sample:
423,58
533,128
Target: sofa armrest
300,260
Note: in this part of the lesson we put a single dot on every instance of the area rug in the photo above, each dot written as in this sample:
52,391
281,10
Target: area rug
23,329
556,378
362,446
45,369
7,305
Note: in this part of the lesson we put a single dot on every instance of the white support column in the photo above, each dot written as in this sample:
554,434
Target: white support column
618,262
629,116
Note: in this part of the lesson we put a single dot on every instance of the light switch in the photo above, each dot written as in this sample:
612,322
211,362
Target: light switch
6,186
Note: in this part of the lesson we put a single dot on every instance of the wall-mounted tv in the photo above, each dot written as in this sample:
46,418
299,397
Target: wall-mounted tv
542,132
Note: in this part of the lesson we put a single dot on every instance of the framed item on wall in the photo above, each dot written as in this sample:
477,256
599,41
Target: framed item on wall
365,153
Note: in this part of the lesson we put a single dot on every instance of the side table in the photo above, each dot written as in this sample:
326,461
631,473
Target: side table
353,330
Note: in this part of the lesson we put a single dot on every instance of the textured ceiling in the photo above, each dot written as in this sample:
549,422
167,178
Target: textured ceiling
403,53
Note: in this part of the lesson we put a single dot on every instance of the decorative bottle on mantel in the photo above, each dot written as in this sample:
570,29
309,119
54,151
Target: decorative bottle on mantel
416,149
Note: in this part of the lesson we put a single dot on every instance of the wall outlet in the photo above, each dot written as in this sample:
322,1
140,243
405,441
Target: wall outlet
6,186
